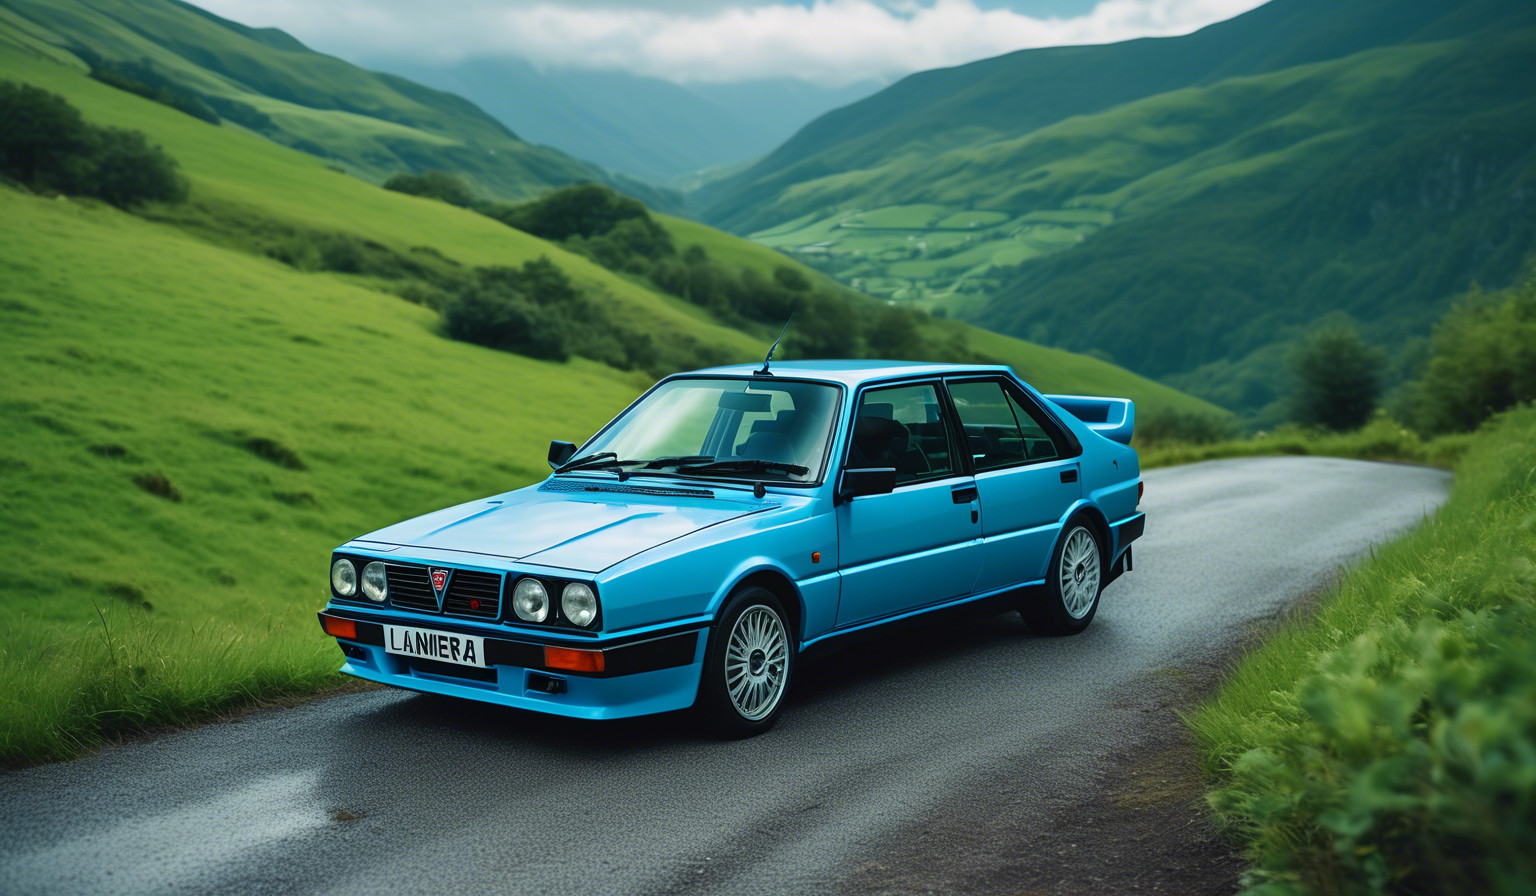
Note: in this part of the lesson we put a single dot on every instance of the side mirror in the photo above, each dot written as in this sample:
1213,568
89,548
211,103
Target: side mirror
560,452
866,481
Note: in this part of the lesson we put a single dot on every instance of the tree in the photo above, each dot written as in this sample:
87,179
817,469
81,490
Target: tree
1338,379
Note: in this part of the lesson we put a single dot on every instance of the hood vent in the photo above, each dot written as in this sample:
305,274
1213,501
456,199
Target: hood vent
568,485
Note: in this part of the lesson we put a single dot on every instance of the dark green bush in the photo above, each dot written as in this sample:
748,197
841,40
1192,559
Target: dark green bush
501,318
439,185
129,170
1338,379
1482,360
46,145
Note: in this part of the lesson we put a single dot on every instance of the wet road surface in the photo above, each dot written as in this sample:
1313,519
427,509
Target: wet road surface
387,791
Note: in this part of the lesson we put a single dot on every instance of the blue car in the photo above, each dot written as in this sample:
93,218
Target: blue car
731,519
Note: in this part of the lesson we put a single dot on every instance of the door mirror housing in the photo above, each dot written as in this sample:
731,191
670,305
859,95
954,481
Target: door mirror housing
560,452
866,481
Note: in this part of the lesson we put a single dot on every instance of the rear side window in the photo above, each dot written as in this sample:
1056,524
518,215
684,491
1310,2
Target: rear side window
999,431
903,427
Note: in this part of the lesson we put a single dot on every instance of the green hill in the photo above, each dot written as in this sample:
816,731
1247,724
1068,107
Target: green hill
372,124
1187,205
192,425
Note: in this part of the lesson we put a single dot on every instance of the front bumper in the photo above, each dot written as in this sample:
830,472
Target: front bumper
656,673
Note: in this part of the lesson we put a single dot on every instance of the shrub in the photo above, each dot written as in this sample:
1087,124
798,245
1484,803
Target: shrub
129,170
499,318
47,145
1337,379
438,185
1482,360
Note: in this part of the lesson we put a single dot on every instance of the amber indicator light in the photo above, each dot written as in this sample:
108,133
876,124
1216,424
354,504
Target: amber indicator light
573,660
341,628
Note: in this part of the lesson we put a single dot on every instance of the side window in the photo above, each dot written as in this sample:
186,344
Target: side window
1043,439
991,424
902,427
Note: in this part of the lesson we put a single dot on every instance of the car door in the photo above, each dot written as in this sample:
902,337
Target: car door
1027,477
916,545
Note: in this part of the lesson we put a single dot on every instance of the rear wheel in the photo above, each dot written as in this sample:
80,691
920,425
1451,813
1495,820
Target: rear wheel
748,665
1073,583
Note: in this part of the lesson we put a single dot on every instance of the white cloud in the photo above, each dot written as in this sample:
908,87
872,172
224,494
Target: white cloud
828,41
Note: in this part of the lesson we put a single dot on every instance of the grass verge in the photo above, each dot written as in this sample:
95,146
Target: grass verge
1382,439
1387,743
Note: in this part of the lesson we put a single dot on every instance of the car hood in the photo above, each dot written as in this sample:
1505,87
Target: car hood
581,530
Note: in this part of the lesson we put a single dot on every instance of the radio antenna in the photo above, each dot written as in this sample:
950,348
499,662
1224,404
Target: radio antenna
771,348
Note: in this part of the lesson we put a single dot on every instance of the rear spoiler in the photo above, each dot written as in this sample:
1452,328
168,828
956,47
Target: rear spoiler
1112,418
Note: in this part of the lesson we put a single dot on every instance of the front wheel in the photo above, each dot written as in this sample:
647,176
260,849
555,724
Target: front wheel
1073,584
748,665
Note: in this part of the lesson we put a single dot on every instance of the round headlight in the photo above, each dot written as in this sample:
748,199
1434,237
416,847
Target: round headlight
530,600
344,577
579,604
375,584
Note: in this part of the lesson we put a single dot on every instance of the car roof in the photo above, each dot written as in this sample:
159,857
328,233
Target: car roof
850,373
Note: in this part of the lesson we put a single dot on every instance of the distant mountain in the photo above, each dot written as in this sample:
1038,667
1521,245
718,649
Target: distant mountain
647,128
372,124
1185,206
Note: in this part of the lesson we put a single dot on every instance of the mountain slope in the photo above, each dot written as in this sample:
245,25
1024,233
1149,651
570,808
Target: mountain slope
644,127
1192,233
374,124
1020,92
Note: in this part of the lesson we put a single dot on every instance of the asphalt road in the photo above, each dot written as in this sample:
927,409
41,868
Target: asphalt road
391,792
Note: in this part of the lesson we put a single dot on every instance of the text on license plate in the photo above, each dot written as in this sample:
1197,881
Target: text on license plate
445,647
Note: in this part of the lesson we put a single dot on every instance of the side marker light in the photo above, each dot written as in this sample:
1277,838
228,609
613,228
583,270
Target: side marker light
816,556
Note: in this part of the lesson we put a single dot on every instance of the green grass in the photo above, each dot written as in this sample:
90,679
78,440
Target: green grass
1387,742
190,430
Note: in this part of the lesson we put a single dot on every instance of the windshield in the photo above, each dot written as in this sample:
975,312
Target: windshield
731,428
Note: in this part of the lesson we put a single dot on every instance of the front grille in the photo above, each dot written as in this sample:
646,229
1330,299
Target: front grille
470,592
410,587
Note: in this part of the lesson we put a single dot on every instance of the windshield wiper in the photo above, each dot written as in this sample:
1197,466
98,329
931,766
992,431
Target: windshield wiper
676,461
605,460
746,465
601,458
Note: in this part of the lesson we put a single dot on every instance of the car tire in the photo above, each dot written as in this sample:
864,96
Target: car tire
1073,582
748,665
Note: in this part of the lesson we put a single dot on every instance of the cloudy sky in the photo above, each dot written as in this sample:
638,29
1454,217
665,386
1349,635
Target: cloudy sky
825,41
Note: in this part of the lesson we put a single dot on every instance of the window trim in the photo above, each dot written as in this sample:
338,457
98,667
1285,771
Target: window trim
946,416
1068,447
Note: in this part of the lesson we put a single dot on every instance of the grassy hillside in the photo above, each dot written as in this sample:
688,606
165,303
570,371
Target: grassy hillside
1183,206
370,123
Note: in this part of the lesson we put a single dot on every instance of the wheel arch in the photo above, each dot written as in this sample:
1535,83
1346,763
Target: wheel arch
777,582
1100,524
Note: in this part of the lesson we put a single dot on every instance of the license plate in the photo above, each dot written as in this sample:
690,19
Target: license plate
445,647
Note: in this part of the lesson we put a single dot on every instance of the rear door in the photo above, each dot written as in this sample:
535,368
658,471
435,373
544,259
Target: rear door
1026,474
917,545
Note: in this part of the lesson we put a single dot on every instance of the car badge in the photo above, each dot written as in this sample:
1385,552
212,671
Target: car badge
439,585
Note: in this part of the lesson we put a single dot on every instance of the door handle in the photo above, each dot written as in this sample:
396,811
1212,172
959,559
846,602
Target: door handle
965,494
1069,475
